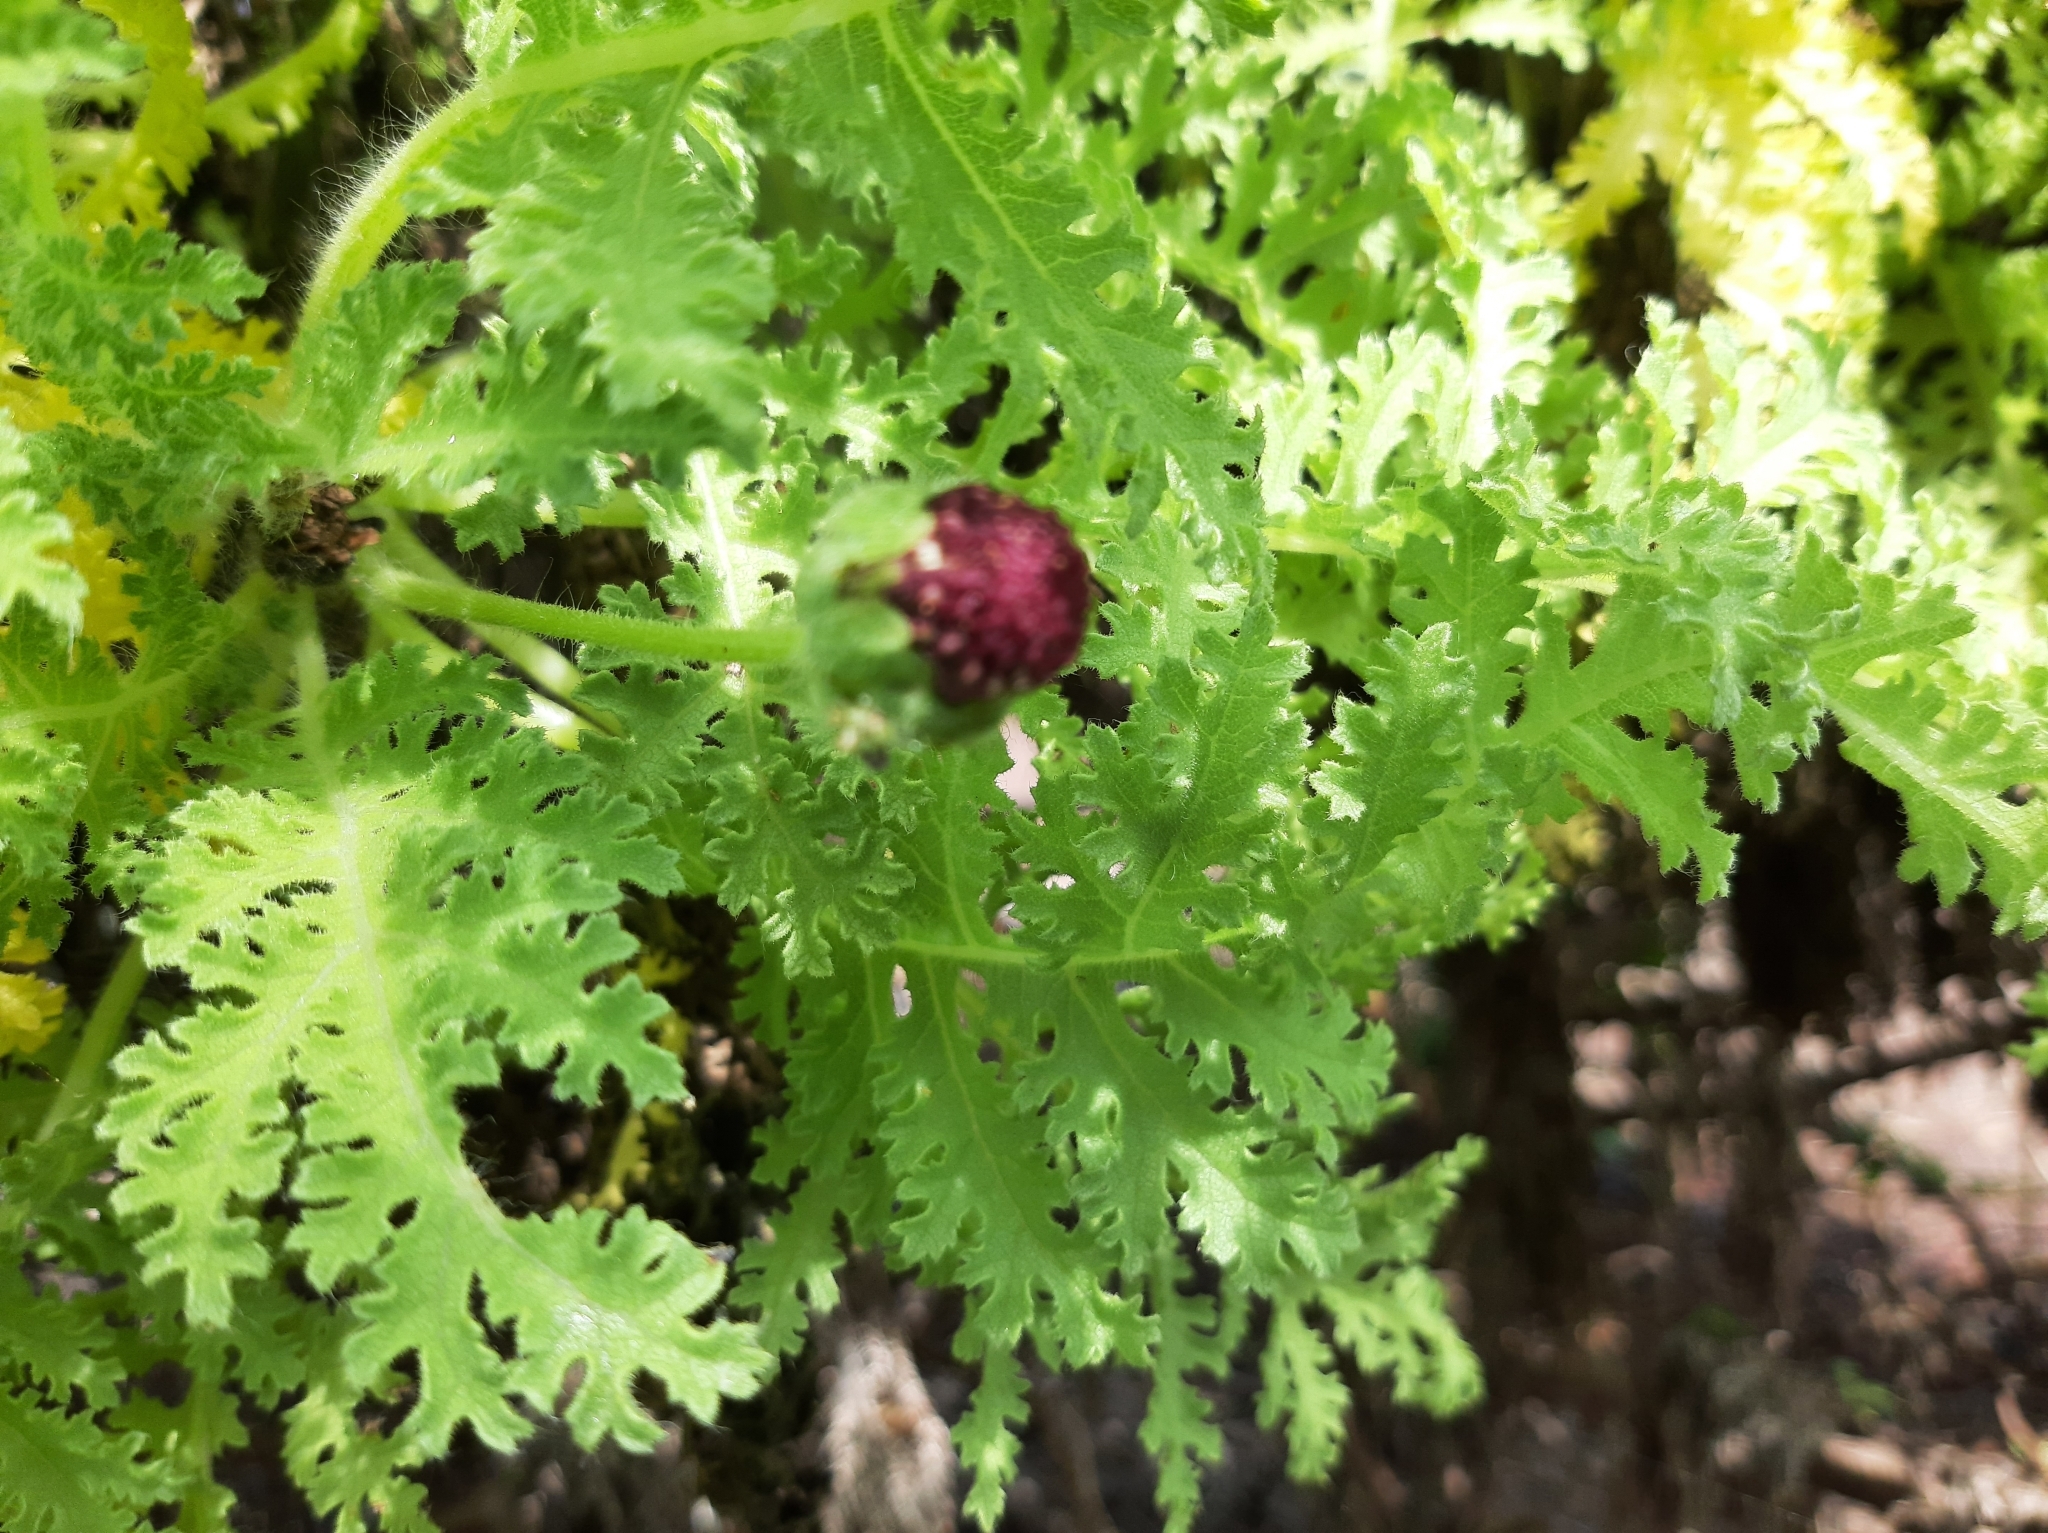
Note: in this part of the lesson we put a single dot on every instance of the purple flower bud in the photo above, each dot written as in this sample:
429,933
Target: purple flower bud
998,595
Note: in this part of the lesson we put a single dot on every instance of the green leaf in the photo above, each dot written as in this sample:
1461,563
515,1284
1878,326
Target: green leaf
625,218
1990,68
1299,1386
1403,755
44,45
795,849
976,198
84,741
346,370
1394,1322
980,1190
169,136
1954,760
1632,673
356,925
833,1119
62,1474
89,317
29,531
172,428
277,102
738,540
986,1436
1196,1334
792,1275
520,422
49,1345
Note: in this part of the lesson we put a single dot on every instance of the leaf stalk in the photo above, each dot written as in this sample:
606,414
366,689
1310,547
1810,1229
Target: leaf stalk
103,1030
545,664
642,636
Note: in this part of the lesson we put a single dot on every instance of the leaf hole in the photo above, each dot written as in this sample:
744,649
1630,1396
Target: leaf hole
572,1382
1094,698
939,306
965,420
502,1339
1026,458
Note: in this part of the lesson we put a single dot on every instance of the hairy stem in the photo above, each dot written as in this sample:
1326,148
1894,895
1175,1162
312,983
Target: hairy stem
544,664
643,636
621,508
394,625
103,1030
378,210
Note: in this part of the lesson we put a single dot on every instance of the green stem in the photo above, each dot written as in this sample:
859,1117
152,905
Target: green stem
397,626
103,1030
378,211
618,509
394,625
541,663
1283,539
309,654
641,636
537,659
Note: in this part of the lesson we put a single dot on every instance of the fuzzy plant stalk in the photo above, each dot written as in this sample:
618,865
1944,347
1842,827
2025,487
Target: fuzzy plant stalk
877,326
